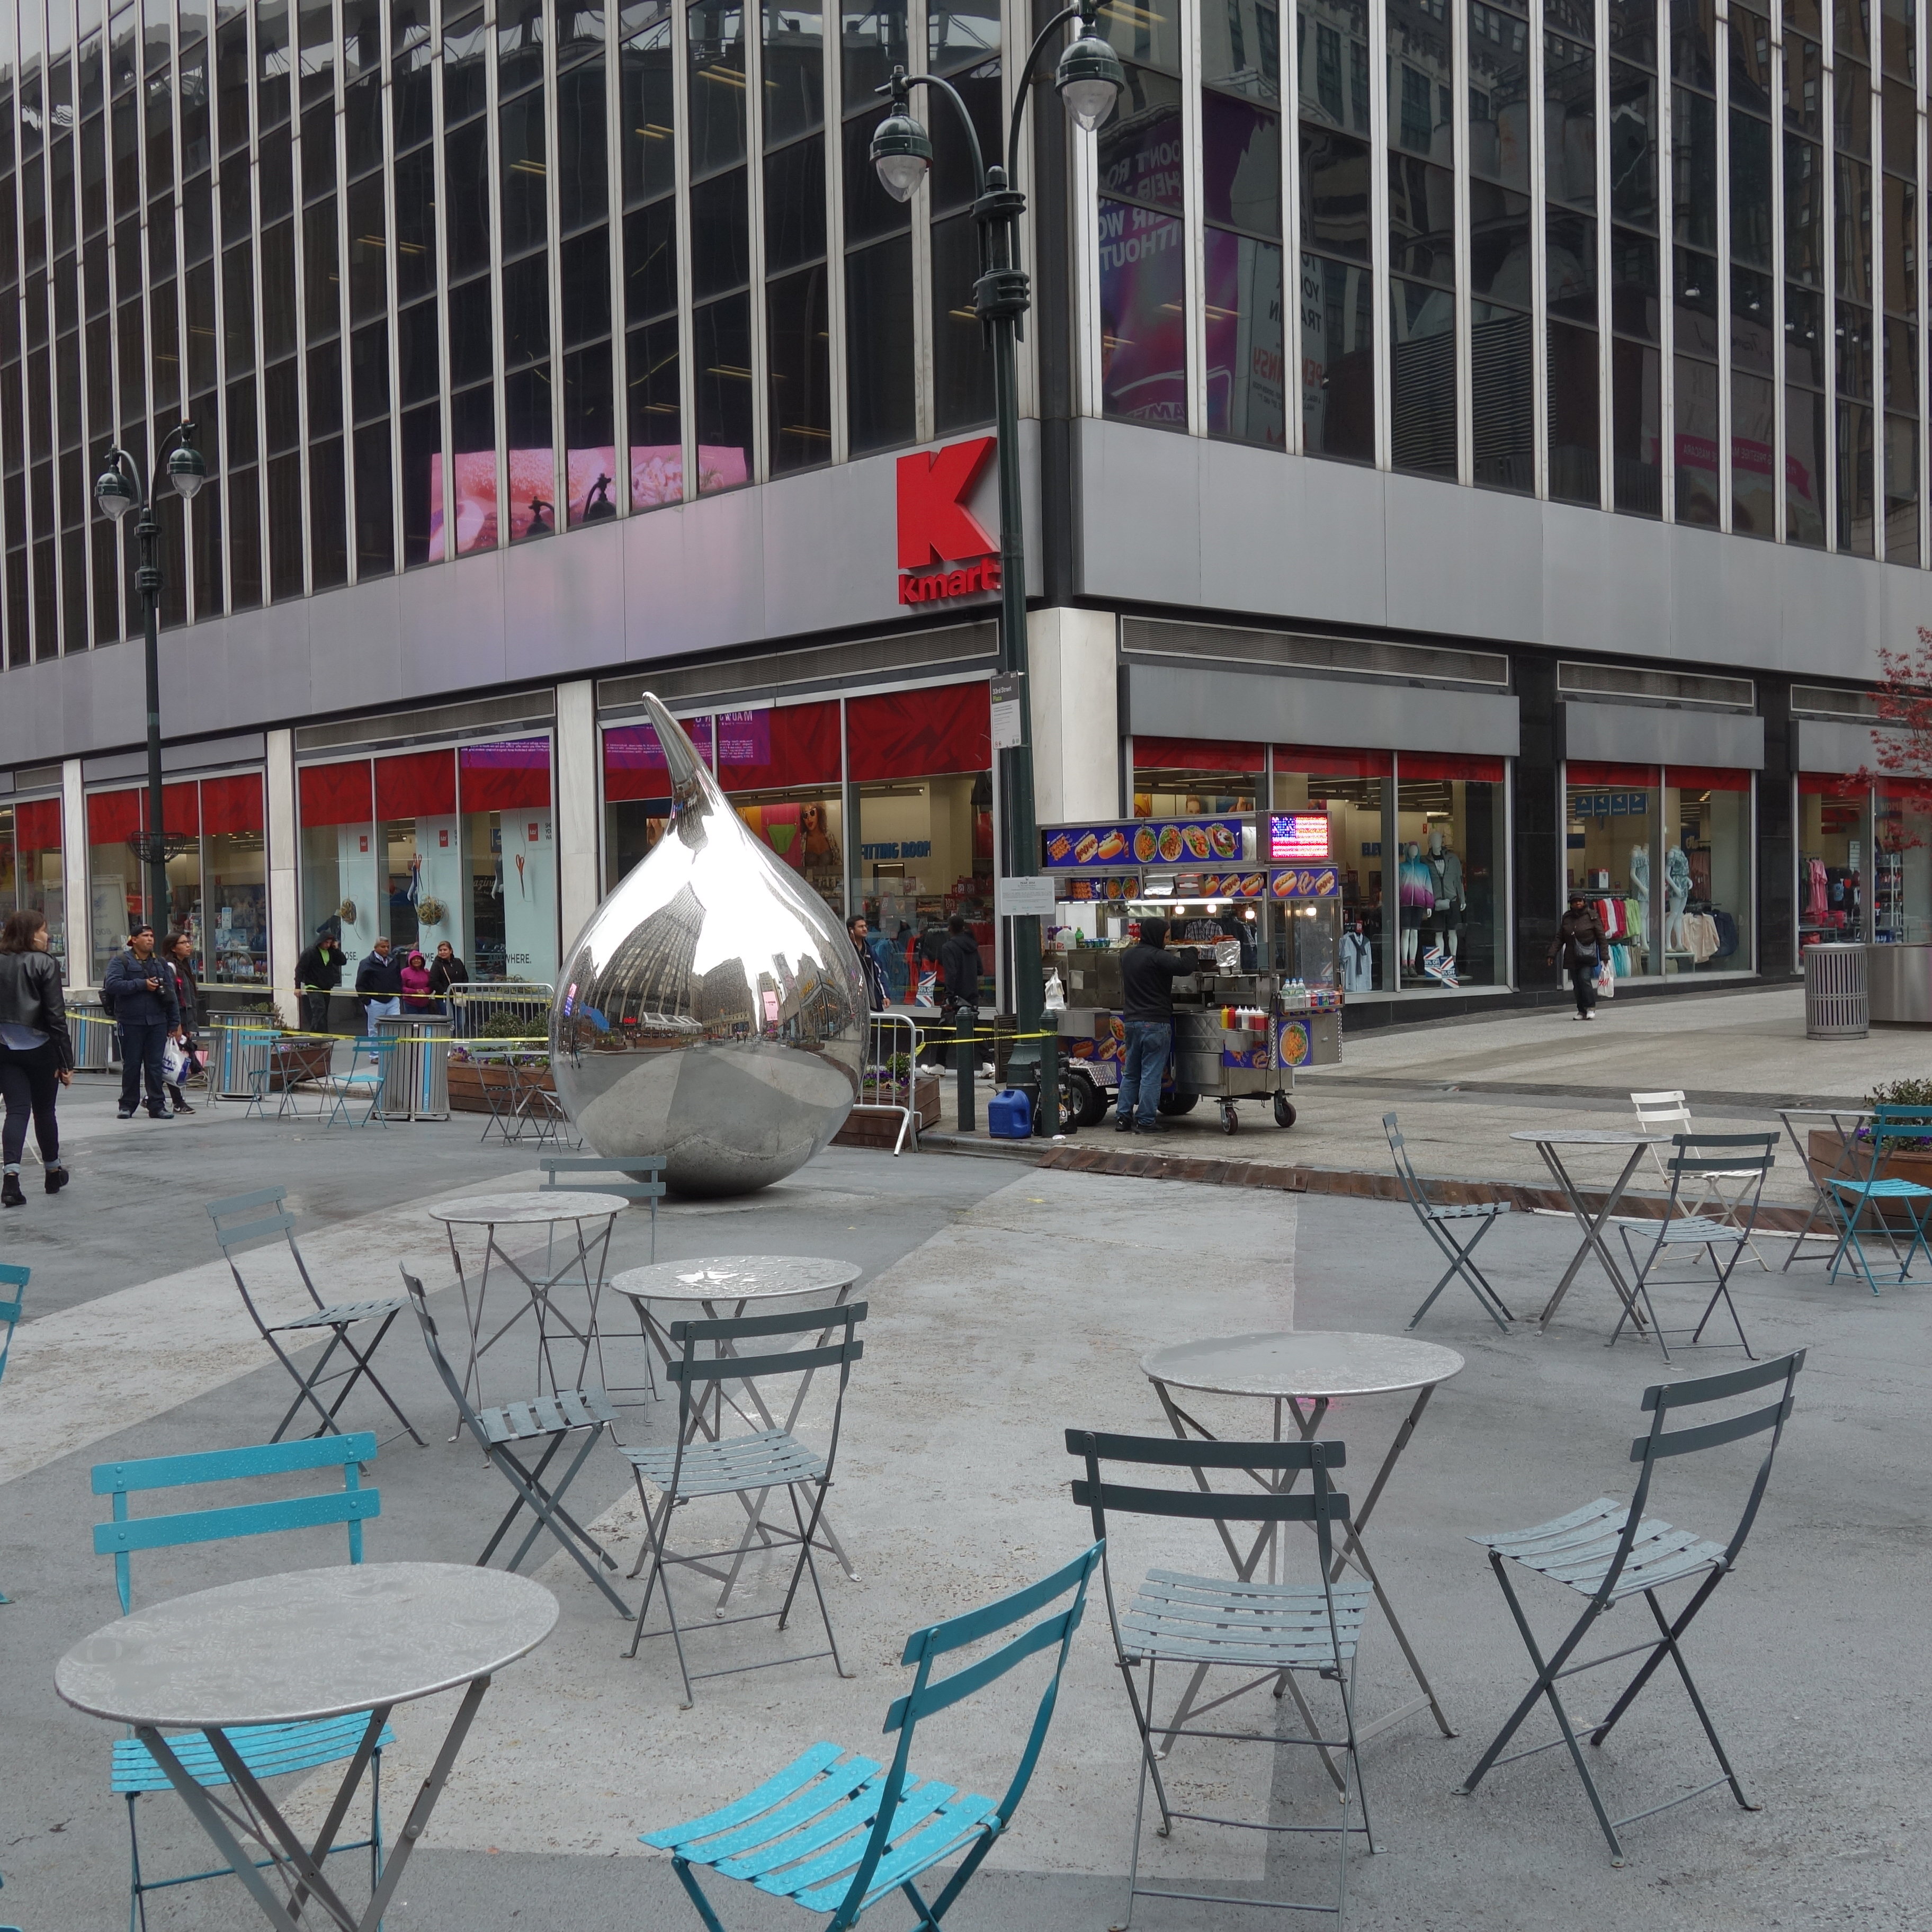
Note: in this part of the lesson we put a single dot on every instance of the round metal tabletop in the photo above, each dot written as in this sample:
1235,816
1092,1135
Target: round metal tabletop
306,1645
538,1205
1307,1365
1589,1136
736,1278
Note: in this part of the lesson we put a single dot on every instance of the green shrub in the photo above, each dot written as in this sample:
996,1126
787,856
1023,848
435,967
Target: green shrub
510,1026
1903,1094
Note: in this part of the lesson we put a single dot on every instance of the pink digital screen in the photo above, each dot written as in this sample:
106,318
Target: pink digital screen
1295,835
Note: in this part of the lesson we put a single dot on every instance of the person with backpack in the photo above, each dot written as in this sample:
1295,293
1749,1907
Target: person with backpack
36,1051
179,959
1581,940
138,992
318,973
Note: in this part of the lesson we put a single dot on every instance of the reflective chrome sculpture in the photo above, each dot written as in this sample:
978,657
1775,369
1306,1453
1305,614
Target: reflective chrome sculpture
713,1011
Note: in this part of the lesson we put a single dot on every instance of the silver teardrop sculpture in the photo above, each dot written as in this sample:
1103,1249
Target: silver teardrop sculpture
713,1011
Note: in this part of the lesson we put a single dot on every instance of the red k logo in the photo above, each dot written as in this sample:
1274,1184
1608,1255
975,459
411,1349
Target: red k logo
935,527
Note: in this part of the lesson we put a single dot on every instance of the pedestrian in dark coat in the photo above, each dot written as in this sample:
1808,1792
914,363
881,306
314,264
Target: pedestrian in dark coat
179,960
36,1050
1584,945
140,992
318,973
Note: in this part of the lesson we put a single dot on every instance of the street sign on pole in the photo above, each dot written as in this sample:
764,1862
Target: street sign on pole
1008,693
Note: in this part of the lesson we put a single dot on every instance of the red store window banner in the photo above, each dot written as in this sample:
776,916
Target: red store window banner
230,806
513,775
1475,769
1588,772
416,785
1333,761
633,761
911,734
1194,754
1834,784
1707,777
779,748
37,825
336,794
113,816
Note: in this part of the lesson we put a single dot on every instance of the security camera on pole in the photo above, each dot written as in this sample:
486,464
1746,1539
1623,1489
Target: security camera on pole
1090,80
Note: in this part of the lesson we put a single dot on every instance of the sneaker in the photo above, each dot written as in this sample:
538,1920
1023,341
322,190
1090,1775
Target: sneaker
1123,1124
1154,1127
125,1114
162,1115
57,1179
11,1196
181,1107
1589,1016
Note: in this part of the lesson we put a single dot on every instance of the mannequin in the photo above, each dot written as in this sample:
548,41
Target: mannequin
1639,906
1443,867
1358,960
1677,891
1417,894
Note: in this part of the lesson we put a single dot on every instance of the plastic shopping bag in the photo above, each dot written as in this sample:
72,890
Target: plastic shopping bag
176,1066
928,994
1607,981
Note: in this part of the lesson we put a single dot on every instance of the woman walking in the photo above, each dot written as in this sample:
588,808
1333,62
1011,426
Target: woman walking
1581,940
179,960
36,1053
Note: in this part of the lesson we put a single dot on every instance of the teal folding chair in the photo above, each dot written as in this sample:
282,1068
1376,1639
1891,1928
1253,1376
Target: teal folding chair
266,1750
14,1277
1851,1196
835,1832
7,1928
360,1085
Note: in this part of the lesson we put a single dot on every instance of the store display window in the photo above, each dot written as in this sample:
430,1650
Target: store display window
217,873
422,847
1706,880
920,765
1195,778
1902,861
1451,826
780,767
1835,858
636,793
1610,833
1352,788
30,877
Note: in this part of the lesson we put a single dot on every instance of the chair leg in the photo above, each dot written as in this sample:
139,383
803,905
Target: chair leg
137,1902
712,1922
654,1529
805,1563
556,1502
364,1366
305,1386
1670,1643
1724,1294
534,1498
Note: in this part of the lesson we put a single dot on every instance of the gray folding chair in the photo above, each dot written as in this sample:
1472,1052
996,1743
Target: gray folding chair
1440,1224
1607,1553
1267,1631
551,1420
1668,1111
248,1217
636,1178
1689,1166
739,1465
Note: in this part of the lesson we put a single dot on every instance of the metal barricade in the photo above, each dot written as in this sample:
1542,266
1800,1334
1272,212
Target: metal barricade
1837,1004
96,1042
415,1076
474,1004
887,1085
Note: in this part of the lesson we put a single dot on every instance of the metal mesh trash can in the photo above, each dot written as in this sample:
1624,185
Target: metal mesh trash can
1836,1004
92,1032
415,1079
240,1060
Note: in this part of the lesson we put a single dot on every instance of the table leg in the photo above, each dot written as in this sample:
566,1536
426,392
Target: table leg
1593,1234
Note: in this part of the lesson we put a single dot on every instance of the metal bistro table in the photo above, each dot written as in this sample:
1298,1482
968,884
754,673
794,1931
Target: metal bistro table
723,1287
1547,1141
548,1209
295,1649
1305,1373
1845,1122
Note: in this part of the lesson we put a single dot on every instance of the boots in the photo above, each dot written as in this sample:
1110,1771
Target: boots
57,1177
11,1196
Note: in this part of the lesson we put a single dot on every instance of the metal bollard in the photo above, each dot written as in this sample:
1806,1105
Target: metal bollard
963,1047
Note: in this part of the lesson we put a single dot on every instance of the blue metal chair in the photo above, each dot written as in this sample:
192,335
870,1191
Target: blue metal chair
834,1832
268,1751
360,1084
16,1278
1850,1196
249,1217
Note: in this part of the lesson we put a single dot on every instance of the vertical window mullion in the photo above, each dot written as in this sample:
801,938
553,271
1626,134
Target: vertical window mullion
1295,435
1725,29
1606,332
445,386
339,127
1921,211
552,99
1539,246
1193,264
838,386
1828,250
928,106
1457,15
1379,229
1667,235
1778,426
620,320
762,426
493,148
687,374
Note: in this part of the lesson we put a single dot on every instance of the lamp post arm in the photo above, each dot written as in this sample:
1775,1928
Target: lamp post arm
1052,27
901,80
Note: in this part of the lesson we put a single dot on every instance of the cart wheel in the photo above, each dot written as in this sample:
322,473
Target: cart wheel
1230,1119
1284,1111
1086,1100
1178,1103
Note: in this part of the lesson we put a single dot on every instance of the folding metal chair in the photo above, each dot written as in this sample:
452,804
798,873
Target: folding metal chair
551,1420
1203,1623
620,1176
1607,1554
254,1751
738,1466
886,1828
360,1083
14,1277
249,1217
1670,1112
1441,1223
1687,1167
1850,1196
273,1075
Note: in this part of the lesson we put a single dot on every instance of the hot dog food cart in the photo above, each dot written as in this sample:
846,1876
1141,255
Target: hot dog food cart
1265,999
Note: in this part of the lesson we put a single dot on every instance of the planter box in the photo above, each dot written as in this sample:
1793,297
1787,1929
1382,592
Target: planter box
468,1081
295,1060
1828,1160
878,1127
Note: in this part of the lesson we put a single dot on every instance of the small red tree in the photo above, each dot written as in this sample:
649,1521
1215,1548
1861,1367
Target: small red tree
1902,737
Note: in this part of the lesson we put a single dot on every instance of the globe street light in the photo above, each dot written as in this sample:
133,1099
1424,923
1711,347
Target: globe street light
1091,80
118,490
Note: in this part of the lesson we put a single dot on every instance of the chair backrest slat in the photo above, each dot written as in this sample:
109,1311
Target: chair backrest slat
748,1368
794,1321
250,1230
1721,1387
607,1175
1166,1452
1214,1505
237,1203
1711,1435
450,1380
919,1704
351,1504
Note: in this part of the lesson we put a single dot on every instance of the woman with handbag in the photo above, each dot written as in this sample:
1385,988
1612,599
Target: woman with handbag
1584,945
179,960
36,1052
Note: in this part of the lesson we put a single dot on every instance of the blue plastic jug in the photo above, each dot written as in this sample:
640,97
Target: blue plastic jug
1010,1114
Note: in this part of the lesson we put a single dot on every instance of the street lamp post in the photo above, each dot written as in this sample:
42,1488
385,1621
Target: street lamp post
1089,79
118,490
